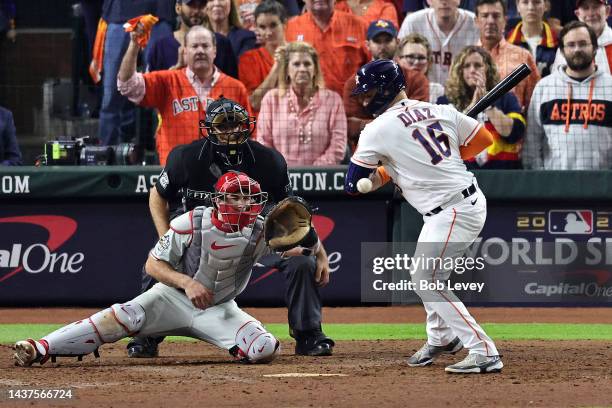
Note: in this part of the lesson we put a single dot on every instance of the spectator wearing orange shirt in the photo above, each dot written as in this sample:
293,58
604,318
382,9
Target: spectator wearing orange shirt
338,37
382,43
180,95
369,10
258,68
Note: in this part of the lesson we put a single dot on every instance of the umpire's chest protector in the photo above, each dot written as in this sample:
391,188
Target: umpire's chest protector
222,261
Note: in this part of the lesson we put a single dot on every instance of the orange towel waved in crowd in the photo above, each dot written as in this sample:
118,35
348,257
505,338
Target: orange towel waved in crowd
147,21
97,53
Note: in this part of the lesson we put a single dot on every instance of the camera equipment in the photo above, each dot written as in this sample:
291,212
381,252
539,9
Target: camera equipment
61,152
75,152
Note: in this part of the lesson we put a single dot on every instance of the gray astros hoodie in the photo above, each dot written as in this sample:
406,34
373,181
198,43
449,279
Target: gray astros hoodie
569,123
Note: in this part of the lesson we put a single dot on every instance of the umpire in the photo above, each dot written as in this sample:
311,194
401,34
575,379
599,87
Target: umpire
186,182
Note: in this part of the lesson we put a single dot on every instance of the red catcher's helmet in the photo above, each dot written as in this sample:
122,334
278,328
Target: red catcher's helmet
238,200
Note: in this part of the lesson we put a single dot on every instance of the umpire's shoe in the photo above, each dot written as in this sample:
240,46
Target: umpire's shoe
428,353
143,347
312,343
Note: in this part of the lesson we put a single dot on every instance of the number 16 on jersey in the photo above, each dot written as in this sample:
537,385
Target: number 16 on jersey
440,141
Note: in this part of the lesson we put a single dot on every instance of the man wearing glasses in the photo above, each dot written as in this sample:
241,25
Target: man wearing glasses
569,124
594,14
414,52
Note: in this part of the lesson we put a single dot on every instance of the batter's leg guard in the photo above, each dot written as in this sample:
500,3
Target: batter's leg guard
254,344
85,336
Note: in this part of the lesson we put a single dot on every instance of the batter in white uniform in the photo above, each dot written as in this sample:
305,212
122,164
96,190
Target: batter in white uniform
422,148
202,263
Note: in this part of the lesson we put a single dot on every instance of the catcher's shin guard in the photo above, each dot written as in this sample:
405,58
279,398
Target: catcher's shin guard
106,326
255,344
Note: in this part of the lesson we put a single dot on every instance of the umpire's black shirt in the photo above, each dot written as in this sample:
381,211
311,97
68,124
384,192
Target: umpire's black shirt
192,170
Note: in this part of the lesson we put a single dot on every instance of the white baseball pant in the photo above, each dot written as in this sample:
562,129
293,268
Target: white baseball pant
447,235
169,312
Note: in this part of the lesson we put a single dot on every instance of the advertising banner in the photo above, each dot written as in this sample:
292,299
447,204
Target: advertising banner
526,254
91,252
69,253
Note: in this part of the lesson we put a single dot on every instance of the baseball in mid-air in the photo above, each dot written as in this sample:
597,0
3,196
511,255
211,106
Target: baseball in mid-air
364,185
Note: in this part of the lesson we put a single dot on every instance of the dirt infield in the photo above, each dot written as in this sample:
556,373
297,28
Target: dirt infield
360,374
396,314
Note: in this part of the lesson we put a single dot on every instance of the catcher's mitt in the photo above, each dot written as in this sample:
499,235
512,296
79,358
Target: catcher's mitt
289,224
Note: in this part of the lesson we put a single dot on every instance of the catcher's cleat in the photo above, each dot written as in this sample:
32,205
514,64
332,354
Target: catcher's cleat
143,347
313,343
27,353
428,353
477,363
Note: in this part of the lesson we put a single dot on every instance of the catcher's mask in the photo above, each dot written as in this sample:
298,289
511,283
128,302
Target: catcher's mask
238,200
228,126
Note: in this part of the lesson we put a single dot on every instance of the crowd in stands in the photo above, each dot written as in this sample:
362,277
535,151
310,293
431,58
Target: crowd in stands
292,64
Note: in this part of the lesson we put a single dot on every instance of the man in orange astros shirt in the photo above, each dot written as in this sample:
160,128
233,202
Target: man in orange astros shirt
180,95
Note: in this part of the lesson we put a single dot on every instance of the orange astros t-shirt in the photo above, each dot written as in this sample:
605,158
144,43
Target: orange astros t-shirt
341,46
179,107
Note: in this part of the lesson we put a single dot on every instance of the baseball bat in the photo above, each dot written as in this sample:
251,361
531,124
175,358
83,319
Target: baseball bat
504,86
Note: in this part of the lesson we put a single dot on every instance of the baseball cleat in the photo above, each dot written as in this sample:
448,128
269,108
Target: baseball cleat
314,343
477,363
428,353
26,353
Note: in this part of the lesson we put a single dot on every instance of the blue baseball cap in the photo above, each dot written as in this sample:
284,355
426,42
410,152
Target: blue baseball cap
381,26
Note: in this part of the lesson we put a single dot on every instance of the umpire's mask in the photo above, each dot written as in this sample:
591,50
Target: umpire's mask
228,126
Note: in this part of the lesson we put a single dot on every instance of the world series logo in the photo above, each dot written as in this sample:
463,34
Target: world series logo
564,222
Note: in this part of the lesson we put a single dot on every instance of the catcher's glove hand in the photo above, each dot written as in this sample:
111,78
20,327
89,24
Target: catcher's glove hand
289,224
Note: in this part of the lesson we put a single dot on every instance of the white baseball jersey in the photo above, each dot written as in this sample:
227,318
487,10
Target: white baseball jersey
444,47
418,143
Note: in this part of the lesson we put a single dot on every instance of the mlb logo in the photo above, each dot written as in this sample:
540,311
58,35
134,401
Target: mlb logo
567,222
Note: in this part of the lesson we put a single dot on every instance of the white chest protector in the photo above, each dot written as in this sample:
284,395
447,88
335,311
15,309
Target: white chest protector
222,261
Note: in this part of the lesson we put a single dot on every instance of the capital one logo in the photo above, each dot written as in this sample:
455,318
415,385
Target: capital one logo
41,257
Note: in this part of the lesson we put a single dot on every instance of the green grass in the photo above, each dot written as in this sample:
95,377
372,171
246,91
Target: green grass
10,333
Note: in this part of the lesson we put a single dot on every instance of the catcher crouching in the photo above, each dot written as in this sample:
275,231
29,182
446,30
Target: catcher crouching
201,264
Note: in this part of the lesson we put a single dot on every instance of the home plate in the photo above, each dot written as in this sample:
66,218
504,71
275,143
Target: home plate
306,375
